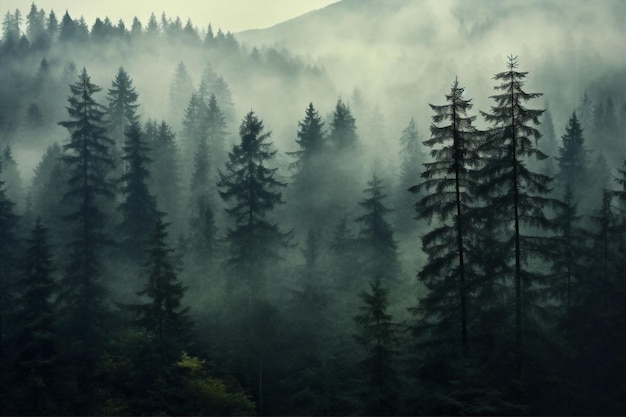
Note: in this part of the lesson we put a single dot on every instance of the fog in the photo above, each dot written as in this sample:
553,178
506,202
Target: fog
299,294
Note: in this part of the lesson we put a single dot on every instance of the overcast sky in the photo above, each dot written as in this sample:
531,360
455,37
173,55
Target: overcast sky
230,15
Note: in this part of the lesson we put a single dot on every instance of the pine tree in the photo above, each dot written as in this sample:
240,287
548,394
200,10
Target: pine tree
12,178
515,195
166,176
165,322
122,99
9,247
449,185
252,191
377,246
411,158
378,337
88,161
343,127
34,365
194,131
573,158
308,176
180,90
215,126
138,208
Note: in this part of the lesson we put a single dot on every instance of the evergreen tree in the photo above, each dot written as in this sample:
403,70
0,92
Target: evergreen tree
166,325
309,177
138,208
573,160
517,197
82,298
252,191
165,178
194,131
449,185
8,276
343,127
378,337
34,365
377,246
215,126
122,99
411,158
12,178
180,90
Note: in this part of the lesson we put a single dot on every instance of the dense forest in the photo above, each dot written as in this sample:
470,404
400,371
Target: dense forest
165,250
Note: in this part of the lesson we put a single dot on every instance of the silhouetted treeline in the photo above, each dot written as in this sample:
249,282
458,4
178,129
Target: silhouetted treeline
187,265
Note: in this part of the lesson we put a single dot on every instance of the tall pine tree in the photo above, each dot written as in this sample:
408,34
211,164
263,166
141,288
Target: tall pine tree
87,157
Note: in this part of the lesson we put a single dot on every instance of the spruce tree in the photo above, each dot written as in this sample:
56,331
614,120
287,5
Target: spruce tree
166,325
34,365
251,189
343,127
411,158
378,338
308,174
9,249
88,160
449,188
573,158
138,208
516,197
166,177
122,110
215,125
377,246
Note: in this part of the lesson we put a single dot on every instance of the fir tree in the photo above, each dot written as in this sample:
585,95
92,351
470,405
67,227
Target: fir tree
34,365
166,176
343,127
8,276
87,159
138,208
165,322
378,337
411,158
122,99
252,191
377,246
515,195
308,176
573,158
449,185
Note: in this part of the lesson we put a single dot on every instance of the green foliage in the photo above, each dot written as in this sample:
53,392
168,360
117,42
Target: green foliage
251,189
138,208
209,396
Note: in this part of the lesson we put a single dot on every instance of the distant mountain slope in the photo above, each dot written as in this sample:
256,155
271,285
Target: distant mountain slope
405,53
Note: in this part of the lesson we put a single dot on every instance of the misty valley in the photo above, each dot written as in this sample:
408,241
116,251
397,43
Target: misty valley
414,220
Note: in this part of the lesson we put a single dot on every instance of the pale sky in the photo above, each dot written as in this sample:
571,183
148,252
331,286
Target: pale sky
230,15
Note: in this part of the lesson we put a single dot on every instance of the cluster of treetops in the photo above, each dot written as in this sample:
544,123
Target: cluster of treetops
150,272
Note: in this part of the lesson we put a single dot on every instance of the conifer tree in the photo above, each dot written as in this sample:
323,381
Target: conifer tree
165,322
166,177
8,276
122,99
138,208
12,178
194,132
251,189
377,246
411,158
573,158
514,194
309,176
215,126
378,337
449,187
87,157
343,127
34,365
